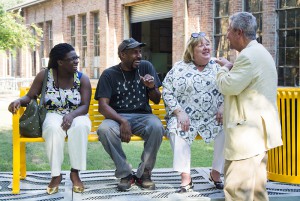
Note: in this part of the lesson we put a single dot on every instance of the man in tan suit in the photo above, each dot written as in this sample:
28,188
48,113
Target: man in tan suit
250,119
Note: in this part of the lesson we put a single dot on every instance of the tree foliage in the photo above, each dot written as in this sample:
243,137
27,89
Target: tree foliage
14,33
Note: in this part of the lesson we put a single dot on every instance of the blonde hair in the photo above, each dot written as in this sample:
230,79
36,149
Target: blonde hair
188,55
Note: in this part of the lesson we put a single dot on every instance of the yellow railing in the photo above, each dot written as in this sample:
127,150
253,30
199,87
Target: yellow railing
284,161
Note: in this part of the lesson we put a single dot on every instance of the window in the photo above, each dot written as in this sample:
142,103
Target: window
83,41
96,35
33,56
288,42
42,46
72,28
255,7
221,15
50,35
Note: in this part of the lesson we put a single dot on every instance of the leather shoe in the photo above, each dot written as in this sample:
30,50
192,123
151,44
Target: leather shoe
218,184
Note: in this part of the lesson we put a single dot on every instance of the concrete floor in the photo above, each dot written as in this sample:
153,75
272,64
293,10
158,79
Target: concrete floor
101,185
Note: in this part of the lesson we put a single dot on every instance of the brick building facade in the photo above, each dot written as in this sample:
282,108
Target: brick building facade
96,27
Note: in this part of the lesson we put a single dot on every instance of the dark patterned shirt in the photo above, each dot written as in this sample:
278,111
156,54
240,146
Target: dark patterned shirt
125,89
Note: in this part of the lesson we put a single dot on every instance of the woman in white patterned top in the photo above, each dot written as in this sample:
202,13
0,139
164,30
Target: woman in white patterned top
194,106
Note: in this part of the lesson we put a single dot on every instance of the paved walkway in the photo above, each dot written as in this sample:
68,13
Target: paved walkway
102,185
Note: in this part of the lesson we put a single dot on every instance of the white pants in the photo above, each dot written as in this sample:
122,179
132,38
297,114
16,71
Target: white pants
182,153
55,136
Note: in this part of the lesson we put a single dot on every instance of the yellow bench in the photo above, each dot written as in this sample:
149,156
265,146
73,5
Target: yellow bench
19,142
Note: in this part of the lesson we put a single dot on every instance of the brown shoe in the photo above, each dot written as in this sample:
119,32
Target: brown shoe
145,181
126,183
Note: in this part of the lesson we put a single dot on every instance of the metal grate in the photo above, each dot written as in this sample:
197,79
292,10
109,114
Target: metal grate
102,185
163,195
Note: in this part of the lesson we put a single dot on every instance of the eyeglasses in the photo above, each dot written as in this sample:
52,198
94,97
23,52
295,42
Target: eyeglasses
196,35
72,58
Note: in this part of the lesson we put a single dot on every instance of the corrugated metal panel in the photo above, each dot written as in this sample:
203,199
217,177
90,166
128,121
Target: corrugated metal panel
152,10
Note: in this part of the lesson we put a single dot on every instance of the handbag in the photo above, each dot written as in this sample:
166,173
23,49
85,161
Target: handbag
31,122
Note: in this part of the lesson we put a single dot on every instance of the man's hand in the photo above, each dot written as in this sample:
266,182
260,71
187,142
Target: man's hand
224,63
148,80
125,130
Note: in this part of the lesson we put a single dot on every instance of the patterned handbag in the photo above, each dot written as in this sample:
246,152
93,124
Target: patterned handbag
31,122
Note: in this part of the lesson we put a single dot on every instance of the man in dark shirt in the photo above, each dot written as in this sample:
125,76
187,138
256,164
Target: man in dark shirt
123,94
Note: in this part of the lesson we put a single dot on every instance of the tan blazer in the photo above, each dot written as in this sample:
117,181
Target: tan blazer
251,120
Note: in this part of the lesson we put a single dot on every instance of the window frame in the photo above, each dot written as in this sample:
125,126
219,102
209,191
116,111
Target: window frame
288,72
72,31
259,21
96,34
83,40
221,36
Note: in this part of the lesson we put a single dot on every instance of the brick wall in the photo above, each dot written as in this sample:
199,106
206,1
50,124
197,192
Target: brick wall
269,26
195,16
179,29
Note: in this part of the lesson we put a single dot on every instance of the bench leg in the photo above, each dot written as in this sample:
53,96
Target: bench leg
23,160
16,167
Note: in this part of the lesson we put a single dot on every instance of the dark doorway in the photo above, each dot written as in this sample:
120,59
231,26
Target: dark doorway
157,34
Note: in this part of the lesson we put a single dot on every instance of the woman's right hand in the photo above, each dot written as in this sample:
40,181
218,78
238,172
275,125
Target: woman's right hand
183,120
14,106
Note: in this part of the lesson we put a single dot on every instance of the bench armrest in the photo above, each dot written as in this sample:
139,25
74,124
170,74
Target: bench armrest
15,123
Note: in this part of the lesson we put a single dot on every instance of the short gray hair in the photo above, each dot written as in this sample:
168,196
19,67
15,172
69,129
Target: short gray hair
246,22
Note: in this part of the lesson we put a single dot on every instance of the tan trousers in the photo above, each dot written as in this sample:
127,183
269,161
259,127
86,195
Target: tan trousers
245,180
55,136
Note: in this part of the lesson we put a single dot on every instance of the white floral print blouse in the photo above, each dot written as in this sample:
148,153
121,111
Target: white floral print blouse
196,93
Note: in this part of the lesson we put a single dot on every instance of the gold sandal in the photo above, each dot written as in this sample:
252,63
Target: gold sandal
76,189
53,190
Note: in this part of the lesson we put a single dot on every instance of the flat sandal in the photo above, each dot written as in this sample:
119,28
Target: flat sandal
218,184
187,188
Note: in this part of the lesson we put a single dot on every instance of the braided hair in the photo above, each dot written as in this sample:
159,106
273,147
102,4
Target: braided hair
58,52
